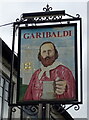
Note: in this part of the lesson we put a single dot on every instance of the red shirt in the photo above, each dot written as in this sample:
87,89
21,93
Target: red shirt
35,88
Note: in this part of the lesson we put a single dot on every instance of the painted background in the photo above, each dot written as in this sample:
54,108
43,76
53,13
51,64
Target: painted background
30,48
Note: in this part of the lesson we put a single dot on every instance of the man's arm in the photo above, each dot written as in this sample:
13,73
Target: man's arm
65,85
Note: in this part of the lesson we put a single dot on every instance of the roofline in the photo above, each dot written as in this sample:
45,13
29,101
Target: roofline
6,53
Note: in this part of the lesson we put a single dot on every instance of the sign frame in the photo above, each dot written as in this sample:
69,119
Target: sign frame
73,101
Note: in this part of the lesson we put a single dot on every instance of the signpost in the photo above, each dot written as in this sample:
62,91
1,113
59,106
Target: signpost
53,78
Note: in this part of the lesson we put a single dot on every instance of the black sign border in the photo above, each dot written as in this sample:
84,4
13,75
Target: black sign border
76,67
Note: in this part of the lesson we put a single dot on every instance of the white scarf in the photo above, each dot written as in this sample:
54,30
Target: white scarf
47,69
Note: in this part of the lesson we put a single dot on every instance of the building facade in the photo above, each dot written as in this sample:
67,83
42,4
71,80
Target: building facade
5,67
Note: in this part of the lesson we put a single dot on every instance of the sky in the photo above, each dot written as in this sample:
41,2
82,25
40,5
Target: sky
11,10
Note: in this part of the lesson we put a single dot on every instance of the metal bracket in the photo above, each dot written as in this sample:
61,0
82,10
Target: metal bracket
47,111
44,17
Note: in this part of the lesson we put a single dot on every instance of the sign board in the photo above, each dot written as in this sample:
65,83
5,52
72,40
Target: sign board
48,66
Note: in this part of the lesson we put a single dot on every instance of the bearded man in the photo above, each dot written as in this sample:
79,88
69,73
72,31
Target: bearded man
63,83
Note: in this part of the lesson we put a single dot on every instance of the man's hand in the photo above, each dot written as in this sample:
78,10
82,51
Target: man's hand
60,86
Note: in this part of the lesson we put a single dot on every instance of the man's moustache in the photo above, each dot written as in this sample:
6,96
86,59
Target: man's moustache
47,57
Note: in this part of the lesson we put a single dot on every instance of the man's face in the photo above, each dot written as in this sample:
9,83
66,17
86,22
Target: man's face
47,54
47,50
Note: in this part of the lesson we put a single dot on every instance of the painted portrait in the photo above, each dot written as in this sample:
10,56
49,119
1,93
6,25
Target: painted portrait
47,63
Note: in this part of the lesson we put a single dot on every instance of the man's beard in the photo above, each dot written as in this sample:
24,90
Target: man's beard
47,61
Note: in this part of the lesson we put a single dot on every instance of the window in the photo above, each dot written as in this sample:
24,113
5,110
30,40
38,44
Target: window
4,89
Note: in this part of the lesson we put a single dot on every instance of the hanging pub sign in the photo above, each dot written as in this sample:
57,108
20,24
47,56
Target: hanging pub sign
48,67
